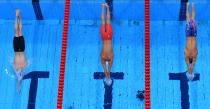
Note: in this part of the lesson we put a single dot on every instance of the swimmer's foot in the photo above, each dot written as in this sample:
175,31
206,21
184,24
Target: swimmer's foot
103,5
187,6
106,5
17,12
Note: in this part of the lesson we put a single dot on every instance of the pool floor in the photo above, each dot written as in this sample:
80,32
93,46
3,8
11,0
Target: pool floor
167,56
81,90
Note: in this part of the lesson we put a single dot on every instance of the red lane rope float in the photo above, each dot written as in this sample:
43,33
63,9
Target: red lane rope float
63,54
147,53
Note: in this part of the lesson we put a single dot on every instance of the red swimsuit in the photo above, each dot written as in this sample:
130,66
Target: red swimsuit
106,35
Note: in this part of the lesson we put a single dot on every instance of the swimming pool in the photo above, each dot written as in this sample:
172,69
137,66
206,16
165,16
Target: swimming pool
42,28
167,56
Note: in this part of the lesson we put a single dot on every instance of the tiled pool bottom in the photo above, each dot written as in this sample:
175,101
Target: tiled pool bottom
81,90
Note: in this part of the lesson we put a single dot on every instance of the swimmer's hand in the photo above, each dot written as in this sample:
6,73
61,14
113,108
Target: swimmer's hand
108,81
106,5
190,76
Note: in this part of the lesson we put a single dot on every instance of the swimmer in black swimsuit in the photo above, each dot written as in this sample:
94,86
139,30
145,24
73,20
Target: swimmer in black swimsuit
190,50
19,47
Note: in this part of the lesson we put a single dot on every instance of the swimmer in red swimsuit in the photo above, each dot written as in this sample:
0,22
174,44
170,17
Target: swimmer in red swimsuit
106,36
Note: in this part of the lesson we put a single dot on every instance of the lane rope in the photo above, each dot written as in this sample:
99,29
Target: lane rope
63,54
147,53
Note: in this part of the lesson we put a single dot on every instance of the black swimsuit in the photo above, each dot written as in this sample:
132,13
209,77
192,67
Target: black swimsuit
19,44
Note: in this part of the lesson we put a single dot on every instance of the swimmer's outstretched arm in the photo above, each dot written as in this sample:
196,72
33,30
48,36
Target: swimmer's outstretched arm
187,12
193,63
104,66
187,60
193,11
108,14
109,66
102,14
188,64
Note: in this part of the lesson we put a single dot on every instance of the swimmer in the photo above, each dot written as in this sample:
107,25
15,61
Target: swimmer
190,50
19,47
107,50
110,4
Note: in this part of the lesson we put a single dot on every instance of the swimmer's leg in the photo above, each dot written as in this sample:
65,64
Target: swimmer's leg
110,3
187,12
107,14
20,25
102,14
193,11
16,23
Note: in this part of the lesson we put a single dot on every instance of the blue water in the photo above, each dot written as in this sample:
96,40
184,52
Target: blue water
83,59
81,90
80,9
167,56
169,9
43,49
43,46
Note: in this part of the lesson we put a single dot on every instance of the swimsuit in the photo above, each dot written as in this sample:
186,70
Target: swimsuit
191,28
106,32
19,44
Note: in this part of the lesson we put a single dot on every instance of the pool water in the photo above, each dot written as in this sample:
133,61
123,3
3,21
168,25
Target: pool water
43,37
167,57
